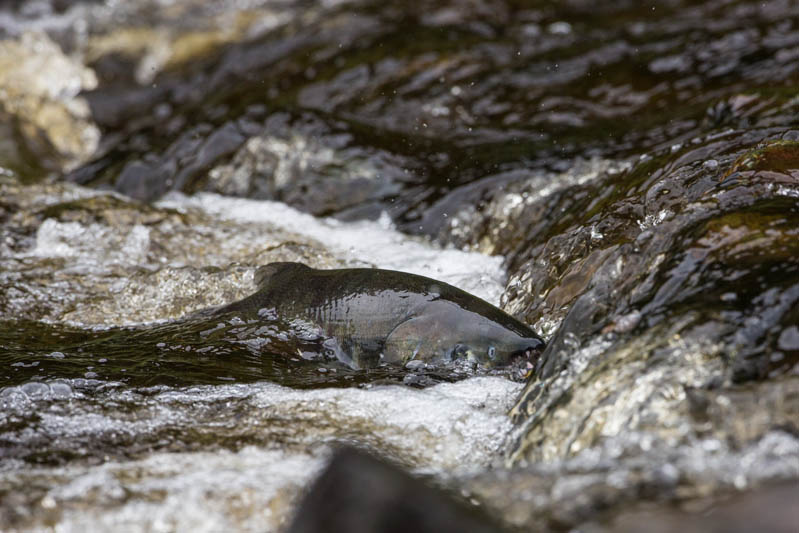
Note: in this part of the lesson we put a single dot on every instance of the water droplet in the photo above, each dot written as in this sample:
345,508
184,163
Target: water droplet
48,502
559,28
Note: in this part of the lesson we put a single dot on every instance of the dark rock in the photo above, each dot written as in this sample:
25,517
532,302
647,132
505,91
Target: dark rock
223,141
115,106
463,92
358,493
143,181
767,510
314,166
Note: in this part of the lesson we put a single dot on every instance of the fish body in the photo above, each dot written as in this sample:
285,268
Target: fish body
380,316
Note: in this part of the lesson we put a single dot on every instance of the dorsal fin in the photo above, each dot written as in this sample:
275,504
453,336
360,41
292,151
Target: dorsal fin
264,274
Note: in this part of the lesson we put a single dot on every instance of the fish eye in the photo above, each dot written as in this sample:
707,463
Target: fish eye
459,350
492,352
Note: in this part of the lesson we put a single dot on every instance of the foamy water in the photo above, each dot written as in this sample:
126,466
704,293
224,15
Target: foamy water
372,242
445,429
233,456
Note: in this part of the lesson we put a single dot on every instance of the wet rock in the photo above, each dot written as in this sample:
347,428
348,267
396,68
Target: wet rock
670,288
360,493
770,509
309,165
182,164
639,471
300,160
662,278
453,95
691,255
48,126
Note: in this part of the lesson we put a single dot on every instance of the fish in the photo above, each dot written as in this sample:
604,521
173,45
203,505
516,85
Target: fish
374,317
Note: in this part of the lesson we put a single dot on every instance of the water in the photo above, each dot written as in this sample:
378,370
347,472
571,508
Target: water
371,243
222,456
125,421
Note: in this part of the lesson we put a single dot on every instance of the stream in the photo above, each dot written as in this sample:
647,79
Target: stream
622,177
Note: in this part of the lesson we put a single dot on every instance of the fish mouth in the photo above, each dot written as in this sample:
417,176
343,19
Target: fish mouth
523,361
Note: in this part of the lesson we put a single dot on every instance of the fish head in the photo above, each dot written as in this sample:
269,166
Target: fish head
504,349
489,344
445,334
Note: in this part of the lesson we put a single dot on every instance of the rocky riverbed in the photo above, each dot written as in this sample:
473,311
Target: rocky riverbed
624,178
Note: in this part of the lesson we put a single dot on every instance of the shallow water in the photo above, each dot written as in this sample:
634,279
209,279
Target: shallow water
138,422
232,455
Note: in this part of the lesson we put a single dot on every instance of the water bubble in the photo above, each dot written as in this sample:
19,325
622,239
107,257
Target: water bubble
786,191
789,339
48,502
35,390
531,30
415,365
559,28
60,390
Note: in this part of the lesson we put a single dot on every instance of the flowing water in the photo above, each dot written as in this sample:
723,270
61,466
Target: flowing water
137,420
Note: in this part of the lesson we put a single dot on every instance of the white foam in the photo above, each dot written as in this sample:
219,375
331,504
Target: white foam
91,244
448,429
375,242
249,490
